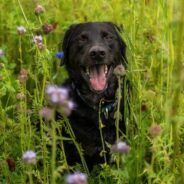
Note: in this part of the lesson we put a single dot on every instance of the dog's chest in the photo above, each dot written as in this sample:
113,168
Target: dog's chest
87,124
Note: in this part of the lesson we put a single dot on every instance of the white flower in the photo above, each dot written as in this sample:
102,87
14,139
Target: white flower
47,113
76,178
38,39
21,30
29,157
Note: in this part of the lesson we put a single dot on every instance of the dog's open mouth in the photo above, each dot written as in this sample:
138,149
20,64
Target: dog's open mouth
97,76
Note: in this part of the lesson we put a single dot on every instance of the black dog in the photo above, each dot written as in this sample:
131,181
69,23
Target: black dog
91,53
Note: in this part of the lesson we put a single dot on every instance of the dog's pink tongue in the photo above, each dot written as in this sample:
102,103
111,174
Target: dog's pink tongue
97,78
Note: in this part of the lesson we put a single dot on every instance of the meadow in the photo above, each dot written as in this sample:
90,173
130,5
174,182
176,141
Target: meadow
31,33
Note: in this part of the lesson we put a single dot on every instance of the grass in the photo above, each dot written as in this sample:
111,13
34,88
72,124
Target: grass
153,32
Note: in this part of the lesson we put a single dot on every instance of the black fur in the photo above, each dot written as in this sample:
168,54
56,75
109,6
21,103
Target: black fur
78,41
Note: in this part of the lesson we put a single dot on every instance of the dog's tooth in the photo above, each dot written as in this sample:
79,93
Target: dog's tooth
87,70
106,69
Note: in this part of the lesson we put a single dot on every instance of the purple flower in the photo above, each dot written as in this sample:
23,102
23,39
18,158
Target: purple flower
29,157
47,28
47,113
38,40
76,178
56,94
59,54
120,147
58,97
155,130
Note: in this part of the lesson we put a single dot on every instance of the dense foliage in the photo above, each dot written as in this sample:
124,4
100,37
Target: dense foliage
30,36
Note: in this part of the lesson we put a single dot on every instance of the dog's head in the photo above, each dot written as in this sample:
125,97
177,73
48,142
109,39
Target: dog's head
91,52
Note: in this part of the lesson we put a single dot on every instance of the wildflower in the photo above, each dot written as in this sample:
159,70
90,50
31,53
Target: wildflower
155,130
67,108
76,178
58,97
39,9
1,53
23,76
119,70
29,157
38,39
71,105
56,94
20,96
120,147
11,164
21,30
47,113
59,54
47,28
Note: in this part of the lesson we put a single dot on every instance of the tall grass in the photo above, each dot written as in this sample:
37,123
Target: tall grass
153,31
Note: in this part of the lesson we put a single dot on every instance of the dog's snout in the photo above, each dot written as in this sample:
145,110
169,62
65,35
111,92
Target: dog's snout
97,52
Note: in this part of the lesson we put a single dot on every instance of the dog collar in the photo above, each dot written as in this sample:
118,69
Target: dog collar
106,105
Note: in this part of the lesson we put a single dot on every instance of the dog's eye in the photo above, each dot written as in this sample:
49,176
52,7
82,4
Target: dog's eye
83,38
106,36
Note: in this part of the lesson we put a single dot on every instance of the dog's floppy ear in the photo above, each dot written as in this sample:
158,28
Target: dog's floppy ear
122,44
66,41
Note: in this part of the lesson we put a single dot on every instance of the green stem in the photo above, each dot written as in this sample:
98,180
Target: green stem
20,50
59,129
30,176
76,144
118,108
101,134
53,159
20,5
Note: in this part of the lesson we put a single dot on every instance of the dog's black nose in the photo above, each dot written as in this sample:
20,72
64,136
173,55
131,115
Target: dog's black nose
97,52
